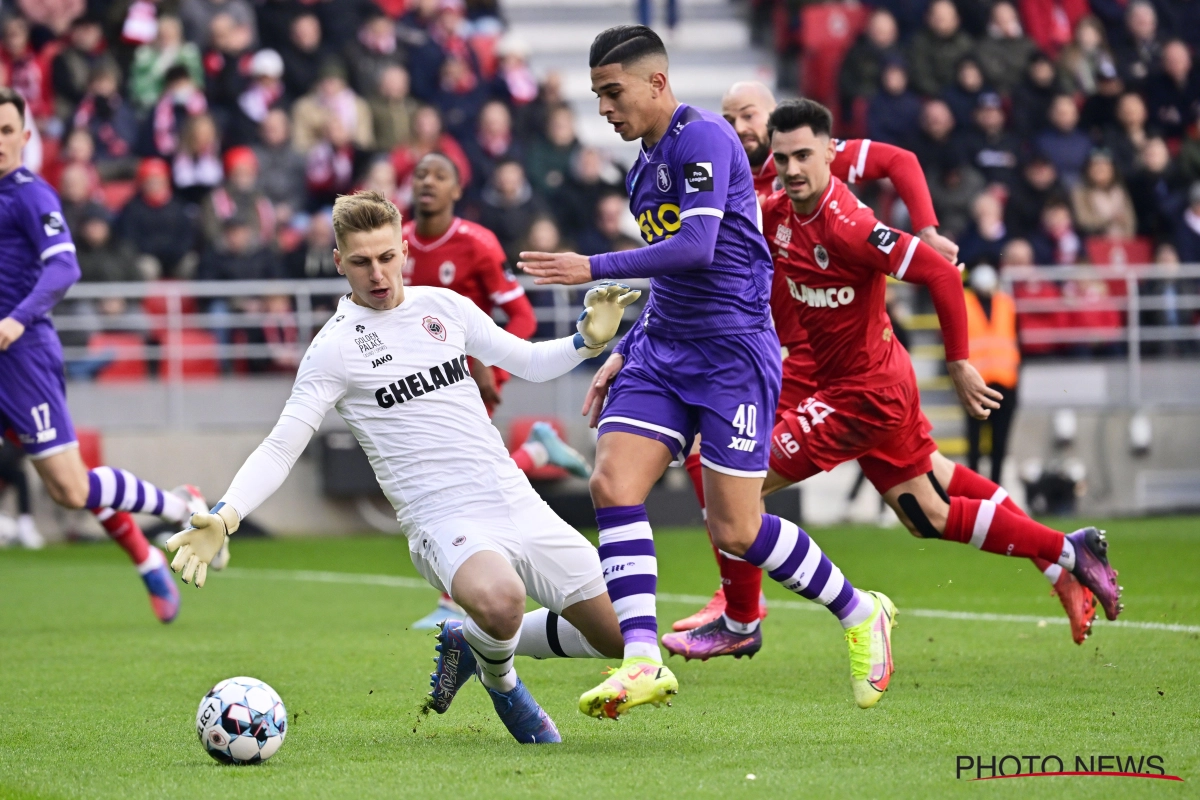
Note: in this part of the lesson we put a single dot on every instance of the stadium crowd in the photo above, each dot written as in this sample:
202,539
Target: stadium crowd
207,138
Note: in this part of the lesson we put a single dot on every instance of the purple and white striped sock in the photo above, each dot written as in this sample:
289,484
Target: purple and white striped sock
124,491
790,557
631,573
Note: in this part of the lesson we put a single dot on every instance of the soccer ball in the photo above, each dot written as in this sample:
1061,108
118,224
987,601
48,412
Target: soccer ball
241,721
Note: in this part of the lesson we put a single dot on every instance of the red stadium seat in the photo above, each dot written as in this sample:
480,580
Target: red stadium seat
518,432
91,448
200,361
128,351
1106,250
827,30
115,194
156,305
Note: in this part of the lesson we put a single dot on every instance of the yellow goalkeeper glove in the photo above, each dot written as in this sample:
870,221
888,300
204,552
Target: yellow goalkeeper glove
604,305
199,544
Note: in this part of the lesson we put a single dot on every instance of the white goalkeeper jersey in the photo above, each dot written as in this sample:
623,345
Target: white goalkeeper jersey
400,380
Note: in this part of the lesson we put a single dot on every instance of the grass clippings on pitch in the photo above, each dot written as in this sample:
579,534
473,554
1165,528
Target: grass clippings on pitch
98,700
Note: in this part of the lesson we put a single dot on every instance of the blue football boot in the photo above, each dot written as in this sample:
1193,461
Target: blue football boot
523,717
455,666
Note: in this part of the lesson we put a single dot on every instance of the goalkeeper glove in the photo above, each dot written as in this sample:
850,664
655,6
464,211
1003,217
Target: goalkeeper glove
199,544
604,305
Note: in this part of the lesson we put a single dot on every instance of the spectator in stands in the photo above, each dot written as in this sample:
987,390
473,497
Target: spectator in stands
237,258
1018,260
1056,243
331,164
605,234
544,237
110,120
428,137
509,207
101,257
1100,202
1006,50
1156,187
953,189
303,55
935,51
992,333
381,177
1140,50
130,24
263,93
26,72
198,16
72,67
1187,233
989,147
77,149
460,97
314,258
153,62
155,222
984,239
1173,94
548,161
1126,138
1050,22
517,85
227,65
181,100
280,167
238,197
371,52
894,113
492,143
1063,143
1031,100
77,194
963,95
592,176
196,168
1099,112
1167,291
936,144
1037,183
392,109
1079,63
330,98
862,69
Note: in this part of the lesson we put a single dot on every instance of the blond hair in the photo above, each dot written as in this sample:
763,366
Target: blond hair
361,212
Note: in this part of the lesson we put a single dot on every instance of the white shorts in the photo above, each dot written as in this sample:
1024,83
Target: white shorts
559,567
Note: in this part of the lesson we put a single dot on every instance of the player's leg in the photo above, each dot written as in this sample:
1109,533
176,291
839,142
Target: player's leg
544,446
1077,600
72,485
545,634
993,528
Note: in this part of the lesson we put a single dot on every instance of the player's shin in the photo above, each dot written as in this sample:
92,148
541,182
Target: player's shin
545,634
995,529
494,656
631,574
124,491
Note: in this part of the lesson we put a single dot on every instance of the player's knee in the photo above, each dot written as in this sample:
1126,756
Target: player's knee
500,610
68,494
925,518
603,487
734,536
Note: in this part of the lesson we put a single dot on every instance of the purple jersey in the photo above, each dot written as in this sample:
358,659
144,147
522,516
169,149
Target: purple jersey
698,169
37,256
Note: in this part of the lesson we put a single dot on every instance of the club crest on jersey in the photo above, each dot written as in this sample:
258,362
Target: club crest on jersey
53,224
434,327
884,238
369,344
698,177
822,256
446,273
459,541
664,178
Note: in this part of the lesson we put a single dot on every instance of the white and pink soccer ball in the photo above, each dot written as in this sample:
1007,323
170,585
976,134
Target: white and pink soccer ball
241,721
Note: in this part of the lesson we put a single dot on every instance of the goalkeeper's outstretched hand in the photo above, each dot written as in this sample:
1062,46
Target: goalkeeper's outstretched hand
201,541
604,304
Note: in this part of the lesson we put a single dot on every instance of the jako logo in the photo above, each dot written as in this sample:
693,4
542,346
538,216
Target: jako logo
382,360
830,297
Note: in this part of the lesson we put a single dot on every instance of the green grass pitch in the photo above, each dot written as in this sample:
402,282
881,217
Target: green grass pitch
98,700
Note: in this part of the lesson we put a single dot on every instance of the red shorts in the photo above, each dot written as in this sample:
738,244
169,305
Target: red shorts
884,429
798,384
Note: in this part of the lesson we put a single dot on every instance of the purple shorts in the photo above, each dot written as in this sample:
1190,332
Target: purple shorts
724,388
33,396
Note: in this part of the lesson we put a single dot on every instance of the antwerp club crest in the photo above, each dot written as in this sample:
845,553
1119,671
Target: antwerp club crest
822,256
435,328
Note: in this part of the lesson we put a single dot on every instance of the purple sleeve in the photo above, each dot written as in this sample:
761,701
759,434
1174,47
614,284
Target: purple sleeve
691,248
59,272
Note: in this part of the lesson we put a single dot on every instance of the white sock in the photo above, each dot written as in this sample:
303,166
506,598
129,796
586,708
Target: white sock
862,611
1067,559
154,560
495,657
175,508
740,627
538,453
545,634
1052,572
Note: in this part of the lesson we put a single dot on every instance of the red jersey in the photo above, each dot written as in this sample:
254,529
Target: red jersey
856,160
834,264
469,260
764,178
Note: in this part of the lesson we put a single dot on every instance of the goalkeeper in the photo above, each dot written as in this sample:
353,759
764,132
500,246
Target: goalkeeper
393,362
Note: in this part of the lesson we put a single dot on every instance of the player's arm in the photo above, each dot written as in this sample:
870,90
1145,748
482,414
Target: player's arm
543,361
42,220
320,383
701,176
907,258
863,160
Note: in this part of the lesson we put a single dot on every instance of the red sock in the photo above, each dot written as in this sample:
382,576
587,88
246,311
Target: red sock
995,529
523,459
123,529
966,483
696,473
